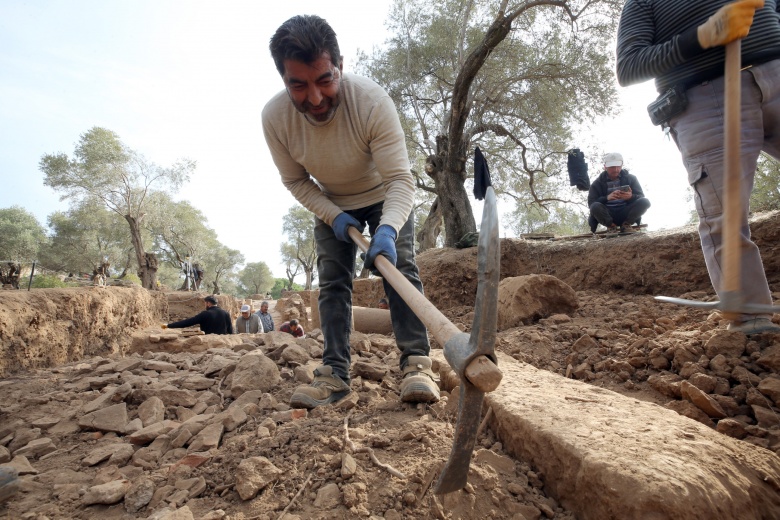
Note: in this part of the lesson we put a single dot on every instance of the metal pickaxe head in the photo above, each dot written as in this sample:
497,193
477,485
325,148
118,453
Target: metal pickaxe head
473,356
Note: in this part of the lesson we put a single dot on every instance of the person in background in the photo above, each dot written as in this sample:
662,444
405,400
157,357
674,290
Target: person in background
247,322
681,43
292,327
214,320
265,317
615,198
383,304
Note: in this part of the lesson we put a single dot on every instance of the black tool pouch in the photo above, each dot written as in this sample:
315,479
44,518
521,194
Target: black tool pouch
669,104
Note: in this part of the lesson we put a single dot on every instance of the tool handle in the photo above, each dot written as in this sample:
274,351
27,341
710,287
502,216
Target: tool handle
732,187
481,372
436,322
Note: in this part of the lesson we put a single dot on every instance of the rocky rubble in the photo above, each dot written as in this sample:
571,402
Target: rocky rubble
683,358
208,435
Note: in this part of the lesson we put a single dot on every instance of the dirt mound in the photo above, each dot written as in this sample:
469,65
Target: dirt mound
152,432
49,327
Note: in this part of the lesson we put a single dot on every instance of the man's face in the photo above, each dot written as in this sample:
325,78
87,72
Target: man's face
245,315
313,88
264,308
613,172
293,327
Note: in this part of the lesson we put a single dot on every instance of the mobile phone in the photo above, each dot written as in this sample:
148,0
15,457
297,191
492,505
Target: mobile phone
625,188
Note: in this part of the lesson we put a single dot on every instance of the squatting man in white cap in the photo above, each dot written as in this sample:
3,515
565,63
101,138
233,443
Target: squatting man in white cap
615,198
248,323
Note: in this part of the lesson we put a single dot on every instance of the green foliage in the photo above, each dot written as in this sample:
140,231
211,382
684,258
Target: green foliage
282,284
103,169
47,281
558,219
255,278
766,185
301,250
20,235
132,277
461,81
85,236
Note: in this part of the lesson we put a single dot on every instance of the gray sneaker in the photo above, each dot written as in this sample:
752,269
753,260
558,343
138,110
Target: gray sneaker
753,326
326,388
418,384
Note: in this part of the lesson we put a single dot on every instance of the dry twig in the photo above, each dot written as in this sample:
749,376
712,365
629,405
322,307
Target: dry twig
364,449
284,512
484,421
580,399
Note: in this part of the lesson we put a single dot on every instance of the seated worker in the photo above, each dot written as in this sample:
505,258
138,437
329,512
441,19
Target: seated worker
248,323
383,304
616,198
292,327
214,320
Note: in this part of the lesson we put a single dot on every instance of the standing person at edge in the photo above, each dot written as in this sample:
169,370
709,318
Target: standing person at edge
609,204
214,320
340,150
265,317
681,43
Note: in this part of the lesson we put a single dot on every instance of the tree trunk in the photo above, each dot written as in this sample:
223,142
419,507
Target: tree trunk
309,277
447,169
431,228
147,262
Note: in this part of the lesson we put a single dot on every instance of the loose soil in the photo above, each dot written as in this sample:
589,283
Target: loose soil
63,350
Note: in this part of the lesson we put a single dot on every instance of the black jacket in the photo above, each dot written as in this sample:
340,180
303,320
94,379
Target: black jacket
598,189
213,320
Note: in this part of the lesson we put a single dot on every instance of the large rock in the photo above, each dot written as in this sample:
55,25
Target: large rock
770,358
254,371
702,401
525,299
109,493
111,419
611,456
730,344
151,411
770,387
253,475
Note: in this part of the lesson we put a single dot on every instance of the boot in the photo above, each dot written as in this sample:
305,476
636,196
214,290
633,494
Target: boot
418,384
326,388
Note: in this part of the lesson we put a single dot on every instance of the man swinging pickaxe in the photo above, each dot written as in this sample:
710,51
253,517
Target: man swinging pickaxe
472,356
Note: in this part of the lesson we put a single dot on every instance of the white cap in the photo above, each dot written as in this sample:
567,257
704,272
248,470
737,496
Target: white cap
245,308
613,159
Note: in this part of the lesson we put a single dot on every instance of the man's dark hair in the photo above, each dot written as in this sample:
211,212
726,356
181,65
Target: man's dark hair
212,300
304,38
293,322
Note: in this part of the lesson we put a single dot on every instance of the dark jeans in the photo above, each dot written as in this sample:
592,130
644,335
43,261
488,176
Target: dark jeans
630,213
336,266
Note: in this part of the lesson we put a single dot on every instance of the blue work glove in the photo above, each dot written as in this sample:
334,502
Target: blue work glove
341,226
382,243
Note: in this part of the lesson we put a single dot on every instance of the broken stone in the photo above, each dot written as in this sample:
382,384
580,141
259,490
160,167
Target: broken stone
139,494
122,454
770,387
151,411
253,475
765,417
254,371
328,497
703,401
109,493
727,343
110,419
500,463
232,418
22,437
37,448
208,438
151,432
99,454
348,466
21,465
524,299
369,371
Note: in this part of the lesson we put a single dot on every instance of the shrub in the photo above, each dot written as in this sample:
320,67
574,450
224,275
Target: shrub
47,281
132,277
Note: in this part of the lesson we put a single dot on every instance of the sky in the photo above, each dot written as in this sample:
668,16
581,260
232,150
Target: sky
189,79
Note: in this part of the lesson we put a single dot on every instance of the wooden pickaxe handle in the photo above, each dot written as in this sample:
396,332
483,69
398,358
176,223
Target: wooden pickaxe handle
481,372
732,171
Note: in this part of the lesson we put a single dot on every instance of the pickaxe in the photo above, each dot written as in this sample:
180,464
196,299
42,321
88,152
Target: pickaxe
731,302
471,356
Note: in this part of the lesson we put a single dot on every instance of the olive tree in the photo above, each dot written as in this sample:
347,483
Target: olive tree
105,169
513,77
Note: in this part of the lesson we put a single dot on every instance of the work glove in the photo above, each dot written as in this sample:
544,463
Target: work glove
731,22
341,226
382,243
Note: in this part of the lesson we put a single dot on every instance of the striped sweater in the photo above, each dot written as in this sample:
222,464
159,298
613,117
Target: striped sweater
657,39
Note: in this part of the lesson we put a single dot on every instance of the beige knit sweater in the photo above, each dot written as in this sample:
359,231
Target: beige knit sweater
356,159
